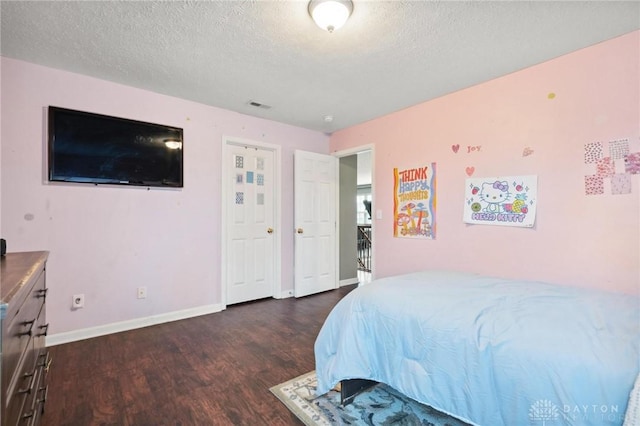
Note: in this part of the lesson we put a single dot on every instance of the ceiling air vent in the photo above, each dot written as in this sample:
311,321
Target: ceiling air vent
259,105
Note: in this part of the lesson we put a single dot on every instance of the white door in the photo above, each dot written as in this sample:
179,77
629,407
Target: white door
315,223
250,242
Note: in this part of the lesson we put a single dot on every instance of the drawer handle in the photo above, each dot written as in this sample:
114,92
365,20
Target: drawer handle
45,391
46,330
28,389
46,363
42,293
28,415
30,331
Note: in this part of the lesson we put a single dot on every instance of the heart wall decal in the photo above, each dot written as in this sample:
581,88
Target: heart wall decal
470,170
455,148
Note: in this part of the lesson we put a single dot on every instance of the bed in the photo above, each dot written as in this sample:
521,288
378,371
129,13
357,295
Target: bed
488,351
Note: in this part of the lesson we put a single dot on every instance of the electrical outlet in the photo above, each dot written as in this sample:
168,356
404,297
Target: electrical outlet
142,292
77,301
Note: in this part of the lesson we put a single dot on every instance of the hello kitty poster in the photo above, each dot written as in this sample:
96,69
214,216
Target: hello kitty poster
503,201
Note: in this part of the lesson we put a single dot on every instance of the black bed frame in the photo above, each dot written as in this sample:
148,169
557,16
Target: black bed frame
351,387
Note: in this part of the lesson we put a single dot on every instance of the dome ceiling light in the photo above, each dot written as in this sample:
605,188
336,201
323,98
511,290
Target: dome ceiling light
330,15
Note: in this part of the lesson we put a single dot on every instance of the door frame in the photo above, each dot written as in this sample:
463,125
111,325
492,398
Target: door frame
346,153
225,170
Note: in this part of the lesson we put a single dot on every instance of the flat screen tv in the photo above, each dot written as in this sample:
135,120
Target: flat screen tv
99,149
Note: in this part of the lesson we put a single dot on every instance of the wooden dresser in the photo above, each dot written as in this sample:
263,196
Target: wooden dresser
24,358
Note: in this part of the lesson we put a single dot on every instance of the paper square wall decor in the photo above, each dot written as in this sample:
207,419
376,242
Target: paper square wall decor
632,163
593,185
605,167
618,149
620,184
592,152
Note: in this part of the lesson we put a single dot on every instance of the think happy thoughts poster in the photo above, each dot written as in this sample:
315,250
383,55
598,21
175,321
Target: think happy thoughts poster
414,202
504,201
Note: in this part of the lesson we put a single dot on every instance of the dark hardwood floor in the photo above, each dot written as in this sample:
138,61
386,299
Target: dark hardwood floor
210,370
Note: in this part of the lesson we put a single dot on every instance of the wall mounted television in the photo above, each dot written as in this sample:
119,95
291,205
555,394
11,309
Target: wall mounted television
98,149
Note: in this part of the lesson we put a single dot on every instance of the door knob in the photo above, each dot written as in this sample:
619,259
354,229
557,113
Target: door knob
269,230
300,231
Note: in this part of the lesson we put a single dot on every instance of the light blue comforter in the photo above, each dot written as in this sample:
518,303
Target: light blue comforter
486,350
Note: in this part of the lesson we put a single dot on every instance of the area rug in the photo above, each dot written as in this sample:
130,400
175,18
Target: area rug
377,406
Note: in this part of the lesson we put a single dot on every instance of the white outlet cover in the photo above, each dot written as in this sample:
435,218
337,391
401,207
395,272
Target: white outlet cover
77,301
142,292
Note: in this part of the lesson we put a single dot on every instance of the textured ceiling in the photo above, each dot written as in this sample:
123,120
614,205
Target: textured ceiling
390,55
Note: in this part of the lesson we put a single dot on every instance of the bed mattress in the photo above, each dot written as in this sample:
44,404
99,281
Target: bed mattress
486,350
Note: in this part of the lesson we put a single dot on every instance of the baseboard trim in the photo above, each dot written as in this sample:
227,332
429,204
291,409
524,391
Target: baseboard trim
348,281
285,294
116,327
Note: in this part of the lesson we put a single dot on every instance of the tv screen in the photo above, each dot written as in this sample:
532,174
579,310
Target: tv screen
99,149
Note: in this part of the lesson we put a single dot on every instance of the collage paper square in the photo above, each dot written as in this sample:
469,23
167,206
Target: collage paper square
632,163
605,167
592,152
620,184
593,185
618,149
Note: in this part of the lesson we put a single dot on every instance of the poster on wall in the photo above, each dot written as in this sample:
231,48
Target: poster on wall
414,202
504,201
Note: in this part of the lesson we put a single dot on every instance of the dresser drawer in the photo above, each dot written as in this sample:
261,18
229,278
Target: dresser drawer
34,409
40,330
22,324
14,411
24,359
25,388
29,411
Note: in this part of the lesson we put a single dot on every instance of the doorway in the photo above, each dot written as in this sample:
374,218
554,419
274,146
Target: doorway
356,222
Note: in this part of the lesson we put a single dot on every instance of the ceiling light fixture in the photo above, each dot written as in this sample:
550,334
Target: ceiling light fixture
330,15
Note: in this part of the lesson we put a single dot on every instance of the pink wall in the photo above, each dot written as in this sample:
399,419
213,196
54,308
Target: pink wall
578,240
106,241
